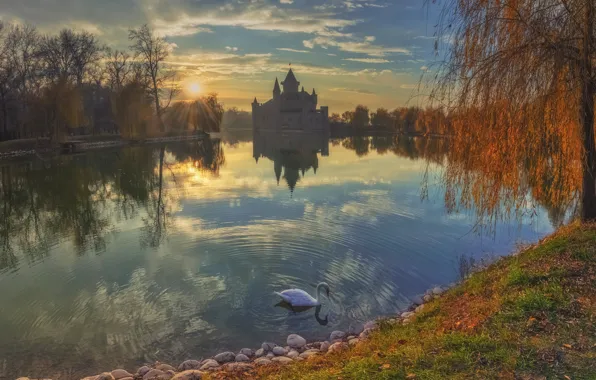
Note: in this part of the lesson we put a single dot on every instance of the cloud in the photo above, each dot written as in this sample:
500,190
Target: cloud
409,86
354,46
293,50
358,91
231,48
424,68
286,1
367,60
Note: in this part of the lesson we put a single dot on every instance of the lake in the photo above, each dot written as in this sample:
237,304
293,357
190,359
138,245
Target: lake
117,257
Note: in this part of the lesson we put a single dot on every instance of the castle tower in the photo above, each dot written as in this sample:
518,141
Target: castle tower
276,90
290,83
315,97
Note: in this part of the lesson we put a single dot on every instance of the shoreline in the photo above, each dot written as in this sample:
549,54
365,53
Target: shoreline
29,146
295,349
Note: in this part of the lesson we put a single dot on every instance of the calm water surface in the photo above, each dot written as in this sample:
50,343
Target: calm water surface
119,257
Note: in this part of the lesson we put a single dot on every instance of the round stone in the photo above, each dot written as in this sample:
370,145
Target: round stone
353,342
370,325
260,352
337,347
225,357
189,364
419,308
262,361
165,367
247,351
417,300
282,359
143,370
427,298
209,364
242,358
240,366
279,351
268,346
296,341
407,314
324,346
104,376
121,374
191,374
337,335
437,291
155,374
293,354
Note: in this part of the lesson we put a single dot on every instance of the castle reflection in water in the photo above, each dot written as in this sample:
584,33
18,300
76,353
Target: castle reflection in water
294,153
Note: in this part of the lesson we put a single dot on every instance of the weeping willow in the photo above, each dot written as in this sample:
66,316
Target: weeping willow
519,85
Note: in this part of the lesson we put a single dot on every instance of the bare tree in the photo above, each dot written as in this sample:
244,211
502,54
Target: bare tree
519,77
152,51
119,68
70,55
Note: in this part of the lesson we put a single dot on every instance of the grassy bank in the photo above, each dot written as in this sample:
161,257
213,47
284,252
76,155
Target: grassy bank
528,316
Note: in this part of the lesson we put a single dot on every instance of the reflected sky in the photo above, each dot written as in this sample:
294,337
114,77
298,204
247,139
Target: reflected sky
116,258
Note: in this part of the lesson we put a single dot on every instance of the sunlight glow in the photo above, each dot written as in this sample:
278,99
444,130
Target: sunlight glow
194,88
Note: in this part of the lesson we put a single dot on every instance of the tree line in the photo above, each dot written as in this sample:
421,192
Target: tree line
408,120
53,85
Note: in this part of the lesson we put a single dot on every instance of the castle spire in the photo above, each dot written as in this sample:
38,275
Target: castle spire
276,88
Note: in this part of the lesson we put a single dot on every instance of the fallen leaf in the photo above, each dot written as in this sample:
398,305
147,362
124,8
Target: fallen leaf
411,376
567,377
567,346
386,366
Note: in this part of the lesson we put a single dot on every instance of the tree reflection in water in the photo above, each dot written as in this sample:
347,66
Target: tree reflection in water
81,197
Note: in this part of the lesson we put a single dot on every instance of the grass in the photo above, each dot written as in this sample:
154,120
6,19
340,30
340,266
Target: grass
529,316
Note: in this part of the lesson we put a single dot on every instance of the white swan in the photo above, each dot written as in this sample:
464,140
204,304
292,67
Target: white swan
298,297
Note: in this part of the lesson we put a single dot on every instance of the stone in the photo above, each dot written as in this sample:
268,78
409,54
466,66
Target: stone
282,359
190,374
337,335
279,351
365,334
23,378
324,346
337,347
238,366
209,364
419,308
437,291
189,364
260,352
104,376
247,351
417,300
356,330
407,314
296,341
155,374
128,378
143,370
268,346
309,353
299,359
225,357
241,358
270,355
427,298
293,354
262,361
406,321
165,367
353,342
370,325
121,373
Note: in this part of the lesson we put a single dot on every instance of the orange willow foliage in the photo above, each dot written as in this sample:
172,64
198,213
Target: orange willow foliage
512,81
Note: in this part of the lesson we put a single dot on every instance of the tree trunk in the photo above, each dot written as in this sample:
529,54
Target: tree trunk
587,121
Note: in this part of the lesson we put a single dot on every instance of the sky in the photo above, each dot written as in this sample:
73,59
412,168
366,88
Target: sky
370,52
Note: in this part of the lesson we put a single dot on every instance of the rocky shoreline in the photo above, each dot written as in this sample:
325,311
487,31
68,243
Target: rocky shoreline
269,353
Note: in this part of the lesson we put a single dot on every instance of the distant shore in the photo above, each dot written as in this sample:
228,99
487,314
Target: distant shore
74,144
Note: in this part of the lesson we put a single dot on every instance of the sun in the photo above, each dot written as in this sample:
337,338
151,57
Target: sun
194,88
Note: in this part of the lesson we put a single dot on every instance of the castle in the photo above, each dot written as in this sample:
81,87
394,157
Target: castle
290,110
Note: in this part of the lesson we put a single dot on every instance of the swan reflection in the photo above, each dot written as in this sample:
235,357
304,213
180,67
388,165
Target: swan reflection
302,309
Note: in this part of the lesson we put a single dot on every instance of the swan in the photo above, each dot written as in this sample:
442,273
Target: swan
298,297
